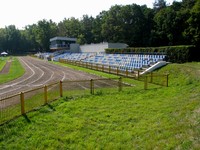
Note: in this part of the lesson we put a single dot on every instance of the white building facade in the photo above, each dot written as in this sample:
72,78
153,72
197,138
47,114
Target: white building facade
69,45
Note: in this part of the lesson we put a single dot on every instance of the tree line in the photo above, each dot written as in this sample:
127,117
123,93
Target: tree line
138,26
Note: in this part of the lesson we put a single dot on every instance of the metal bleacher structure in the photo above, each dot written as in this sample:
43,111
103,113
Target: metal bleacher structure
95,54
128,62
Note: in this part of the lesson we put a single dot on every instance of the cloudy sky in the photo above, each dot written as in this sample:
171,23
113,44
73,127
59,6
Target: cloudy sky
26,12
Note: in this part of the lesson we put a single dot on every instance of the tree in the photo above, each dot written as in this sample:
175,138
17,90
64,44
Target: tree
159,4
112,30
134,25
188,4
193,30
130,24
69,27
12,39
30,34
62,28
86,28
2,40
148,25
43,32
170,23
97,28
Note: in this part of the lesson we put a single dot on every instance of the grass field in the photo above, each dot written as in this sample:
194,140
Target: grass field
3,62
16,70
157,118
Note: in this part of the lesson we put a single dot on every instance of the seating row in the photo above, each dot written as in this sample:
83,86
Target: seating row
123,61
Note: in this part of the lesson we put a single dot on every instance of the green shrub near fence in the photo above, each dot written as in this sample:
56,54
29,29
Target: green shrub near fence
175,54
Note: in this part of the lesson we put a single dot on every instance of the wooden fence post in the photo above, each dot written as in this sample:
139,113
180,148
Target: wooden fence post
126,72
92,86
120,84
151,81
45,94
97,67
138,74
145,82
117,70
109,69
61,89
22,103
167,80
102,68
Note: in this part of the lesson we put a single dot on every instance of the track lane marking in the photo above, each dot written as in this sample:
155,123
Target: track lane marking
33,73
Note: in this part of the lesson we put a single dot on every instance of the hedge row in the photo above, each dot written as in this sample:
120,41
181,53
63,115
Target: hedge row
175,54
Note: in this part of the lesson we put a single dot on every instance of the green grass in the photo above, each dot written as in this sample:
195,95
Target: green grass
34,99
87,70
3,62
101,74
157,118
16,71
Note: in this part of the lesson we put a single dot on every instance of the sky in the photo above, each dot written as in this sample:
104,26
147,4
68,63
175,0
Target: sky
27,12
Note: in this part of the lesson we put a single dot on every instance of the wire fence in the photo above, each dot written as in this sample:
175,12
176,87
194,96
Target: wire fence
103,68
154,78
21,103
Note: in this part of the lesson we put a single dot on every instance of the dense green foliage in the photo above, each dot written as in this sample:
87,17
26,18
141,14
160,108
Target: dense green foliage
178,54
138,26
158,118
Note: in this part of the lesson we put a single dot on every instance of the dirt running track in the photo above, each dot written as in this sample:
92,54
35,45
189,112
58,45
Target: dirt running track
40,72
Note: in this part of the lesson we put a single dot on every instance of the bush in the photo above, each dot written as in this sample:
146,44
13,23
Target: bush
175,54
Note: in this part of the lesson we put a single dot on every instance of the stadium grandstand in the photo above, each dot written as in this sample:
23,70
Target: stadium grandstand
67,49
61,43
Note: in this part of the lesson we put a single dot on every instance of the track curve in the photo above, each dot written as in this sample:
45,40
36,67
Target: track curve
38,73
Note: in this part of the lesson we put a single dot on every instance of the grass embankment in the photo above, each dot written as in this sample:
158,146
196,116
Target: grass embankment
16,71
158,118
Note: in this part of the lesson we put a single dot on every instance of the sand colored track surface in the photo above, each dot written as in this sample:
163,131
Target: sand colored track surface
40,72
6,68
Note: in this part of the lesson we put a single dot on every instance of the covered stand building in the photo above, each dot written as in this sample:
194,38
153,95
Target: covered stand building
63,43
69,45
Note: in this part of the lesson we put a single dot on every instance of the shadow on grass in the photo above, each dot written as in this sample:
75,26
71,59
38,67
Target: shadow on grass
26,118
51,107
